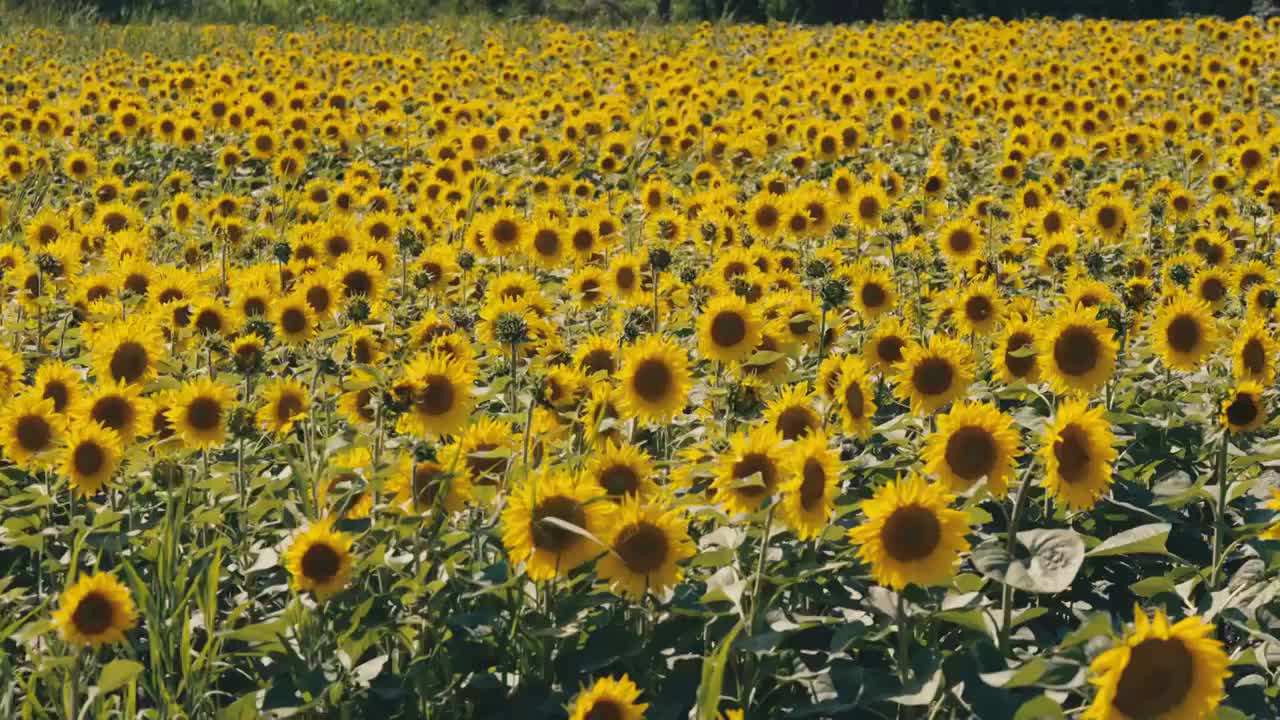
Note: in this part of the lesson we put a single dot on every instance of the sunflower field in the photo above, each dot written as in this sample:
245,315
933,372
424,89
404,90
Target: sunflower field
522,370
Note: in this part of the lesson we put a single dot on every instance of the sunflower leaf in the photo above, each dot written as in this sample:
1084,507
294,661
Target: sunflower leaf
1055,556
116,674
713,676
1148,539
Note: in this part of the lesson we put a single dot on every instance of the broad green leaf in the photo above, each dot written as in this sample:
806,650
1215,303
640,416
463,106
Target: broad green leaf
1055,556
713,668
1148,539
1040,708
116,674
1027,674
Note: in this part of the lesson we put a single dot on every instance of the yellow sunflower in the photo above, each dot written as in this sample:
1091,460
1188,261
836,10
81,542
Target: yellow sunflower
440,400
973,441
978,308
655,380
97,610
90,457
128,350
319,559
646,545
287,403
855,398
620,471
537,522
728,329
294,319
808,497
608,699
1078,452
934,374
1253,353
200,412
116,406
415,487
910,535
750,471
960,241
1242,410
1184,332
1077,351
30,430
1160,670
1017,359
791,413
59,382
884,346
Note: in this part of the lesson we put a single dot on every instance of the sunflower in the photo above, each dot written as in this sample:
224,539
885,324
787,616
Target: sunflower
415,487
30,430
1252,354
960,241
499,233
728,330
608,699
1212,285
287,403
654,379
626,279
1017,357
484,450
873,291
1077,351
533,529
1242,410
1078,452
319,559
807,497
1160,671
867,205
791,413
600,416
646,545
750,471
978,308
885,344
90,457
933,374
1111,217
973,441
441,400
855,398
56,381
765,213
621,471
96,611
295,321
1184,332
910,535
200,411
128,350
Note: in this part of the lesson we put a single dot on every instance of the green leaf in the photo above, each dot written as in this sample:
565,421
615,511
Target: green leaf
1055,556
972,619
1040,708
1153,586
1098,624
1148,539
713,677
116,674
1027,674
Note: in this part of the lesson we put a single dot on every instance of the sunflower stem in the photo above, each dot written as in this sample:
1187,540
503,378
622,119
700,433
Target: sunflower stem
1220,510
1006,591
759,574
904,641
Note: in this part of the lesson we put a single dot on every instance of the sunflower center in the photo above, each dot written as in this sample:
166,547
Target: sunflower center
113,411
794,422
1213,290
33,433
960,241
58,392
750,464
978,308
547,243
873,296
505,232
853,400
652,380
209,321
425,484
318,298
766,217
436,396
868,208
1156,679
1072,453
813,485
728,329
583,240
293,321
485,469
1019,366
128,362
971,452
255,306
605,710
911,533
889,350
357,282
93,614
287,406
1253,357
933,376
598,361
1076,350
550,536
88,458
1183,333
204,413
1242,410
320,563
620,480
625,278
643,547
1108,217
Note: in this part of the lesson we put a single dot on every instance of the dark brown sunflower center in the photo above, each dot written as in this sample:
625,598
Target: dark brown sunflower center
728,329
978,308
766,217
1076,350
750,464
550,536
933,376
971,452
318,298
547,242
1019,365
643,547
93,614
1156,679
113,411
873,296
436,396
357,282
653,380
889,350
620,480
1108,217
813,484
129,362
1253,357
598,361
505,232
868,208
204,413
960,241
1183,333
1213,290
625,278
605,710
583,240
57,391
911,533
88,458
486,470
293,320
320,563
1242,410
33,433
1071,450
287,406
794,422
853,400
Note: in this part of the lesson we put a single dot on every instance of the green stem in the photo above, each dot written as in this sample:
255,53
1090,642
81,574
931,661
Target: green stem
1220,511
1006,591
904,641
